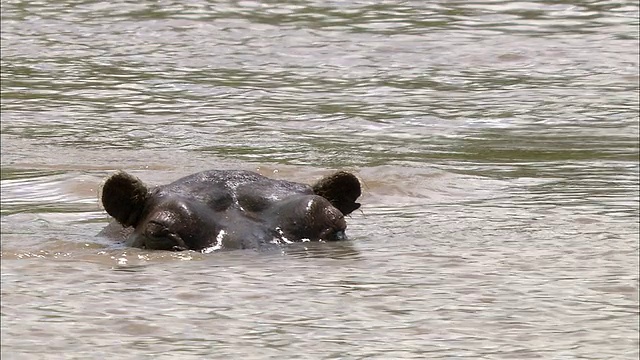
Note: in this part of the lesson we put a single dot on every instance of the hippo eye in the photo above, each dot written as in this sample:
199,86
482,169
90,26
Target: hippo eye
160,237
156,229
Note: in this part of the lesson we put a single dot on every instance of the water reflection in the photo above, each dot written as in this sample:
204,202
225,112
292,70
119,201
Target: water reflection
334,250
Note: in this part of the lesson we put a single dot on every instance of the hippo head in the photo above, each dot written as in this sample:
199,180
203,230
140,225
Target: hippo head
230,210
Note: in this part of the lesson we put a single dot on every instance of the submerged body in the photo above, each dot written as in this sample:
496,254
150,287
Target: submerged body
227,209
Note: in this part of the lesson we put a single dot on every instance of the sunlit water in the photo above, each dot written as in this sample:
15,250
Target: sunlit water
497,141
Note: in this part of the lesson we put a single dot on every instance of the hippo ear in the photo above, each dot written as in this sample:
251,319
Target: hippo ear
123,197
341,189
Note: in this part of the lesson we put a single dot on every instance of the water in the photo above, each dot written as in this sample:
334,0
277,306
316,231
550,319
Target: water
498,144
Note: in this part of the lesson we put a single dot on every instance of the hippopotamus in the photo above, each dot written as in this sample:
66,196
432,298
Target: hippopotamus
228,209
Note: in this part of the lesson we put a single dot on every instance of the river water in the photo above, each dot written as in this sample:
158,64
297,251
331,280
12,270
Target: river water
497,141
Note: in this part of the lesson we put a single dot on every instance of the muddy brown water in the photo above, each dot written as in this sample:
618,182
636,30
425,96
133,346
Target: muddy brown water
497,141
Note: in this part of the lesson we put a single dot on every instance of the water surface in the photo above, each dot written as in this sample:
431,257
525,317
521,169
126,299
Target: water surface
497,141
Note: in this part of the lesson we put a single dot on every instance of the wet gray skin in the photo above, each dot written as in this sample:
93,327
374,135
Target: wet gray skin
228,210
